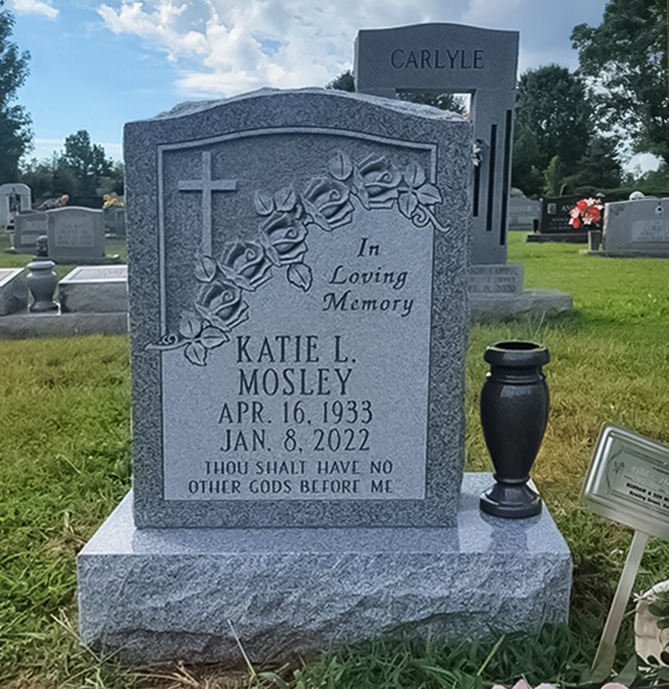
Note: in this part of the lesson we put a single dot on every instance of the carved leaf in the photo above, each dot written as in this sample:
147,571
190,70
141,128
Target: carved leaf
428,194
285,199
299,274
213,337
360,189
318,218
341,165
264,203
228,273
190,325
414,175
407,204
196,353
271,253
205,268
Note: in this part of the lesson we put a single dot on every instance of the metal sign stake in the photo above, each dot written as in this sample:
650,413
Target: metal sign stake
606,651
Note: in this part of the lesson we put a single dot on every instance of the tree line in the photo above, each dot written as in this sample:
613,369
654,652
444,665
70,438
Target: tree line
572,129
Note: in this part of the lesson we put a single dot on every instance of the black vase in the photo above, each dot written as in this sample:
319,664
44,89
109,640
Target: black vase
514,414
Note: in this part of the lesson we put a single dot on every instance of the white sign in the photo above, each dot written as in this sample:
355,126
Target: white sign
628,481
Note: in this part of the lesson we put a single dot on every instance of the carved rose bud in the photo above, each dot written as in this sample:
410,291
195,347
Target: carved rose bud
331,200
248,261
220,303
381,179
286,236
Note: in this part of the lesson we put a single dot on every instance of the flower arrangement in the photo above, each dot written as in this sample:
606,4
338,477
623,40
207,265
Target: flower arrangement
586,212
113,199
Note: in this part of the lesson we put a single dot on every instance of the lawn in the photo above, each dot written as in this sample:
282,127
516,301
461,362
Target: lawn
65,457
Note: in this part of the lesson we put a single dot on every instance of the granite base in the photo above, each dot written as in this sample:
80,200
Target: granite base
167,594
564,237
22,326
530,303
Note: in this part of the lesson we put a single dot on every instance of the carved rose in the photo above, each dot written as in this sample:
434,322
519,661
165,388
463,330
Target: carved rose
248,261
286,236
380,179
330,198
220,303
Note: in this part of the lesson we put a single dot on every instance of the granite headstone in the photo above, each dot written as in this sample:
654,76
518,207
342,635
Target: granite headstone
298,309
453,58
637,228
14,199
295,310
114,220
555,215
28,227
523,213
75,234
481,63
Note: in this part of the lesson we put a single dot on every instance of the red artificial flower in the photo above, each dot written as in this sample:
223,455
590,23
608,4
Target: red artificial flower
585,212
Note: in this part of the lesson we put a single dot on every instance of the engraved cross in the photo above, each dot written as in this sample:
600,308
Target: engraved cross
207,186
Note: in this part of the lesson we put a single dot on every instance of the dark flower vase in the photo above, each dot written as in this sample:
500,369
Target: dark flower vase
514,414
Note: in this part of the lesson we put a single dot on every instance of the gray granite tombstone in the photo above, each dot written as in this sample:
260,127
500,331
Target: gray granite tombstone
637,228
14,199
453,58
458,59
555,217
75,234
28,227
523,213
94,289
13,291
298,310
114,220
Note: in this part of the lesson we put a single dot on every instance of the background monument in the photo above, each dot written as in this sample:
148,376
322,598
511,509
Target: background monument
482,64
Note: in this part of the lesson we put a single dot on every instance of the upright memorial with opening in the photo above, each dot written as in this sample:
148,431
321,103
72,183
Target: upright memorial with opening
298,308
482,64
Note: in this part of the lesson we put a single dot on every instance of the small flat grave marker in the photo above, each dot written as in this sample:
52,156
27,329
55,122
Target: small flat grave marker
628,482
13,291
96,289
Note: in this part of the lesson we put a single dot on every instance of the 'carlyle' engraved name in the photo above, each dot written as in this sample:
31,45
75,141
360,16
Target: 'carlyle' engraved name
436,58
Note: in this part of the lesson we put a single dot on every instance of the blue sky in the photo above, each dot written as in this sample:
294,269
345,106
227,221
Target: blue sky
98,64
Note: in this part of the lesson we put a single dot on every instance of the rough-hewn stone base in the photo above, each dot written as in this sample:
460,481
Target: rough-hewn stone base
161,594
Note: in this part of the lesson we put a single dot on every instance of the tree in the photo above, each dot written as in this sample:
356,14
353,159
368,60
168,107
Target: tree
553,120
626,60
343,82
86,162
15,134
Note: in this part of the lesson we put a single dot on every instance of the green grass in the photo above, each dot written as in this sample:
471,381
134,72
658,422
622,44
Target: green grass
65,463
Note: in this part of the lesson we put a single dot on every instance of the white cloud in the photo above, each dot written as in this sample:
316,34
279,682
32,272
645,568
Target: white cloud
35,7
223,47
